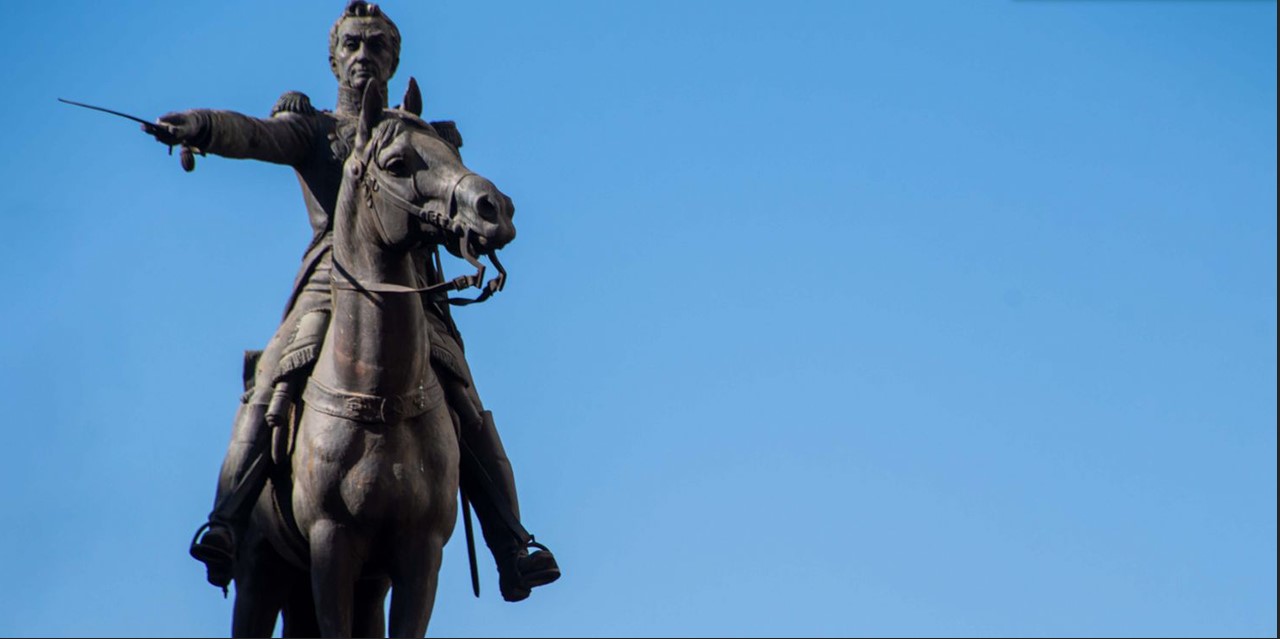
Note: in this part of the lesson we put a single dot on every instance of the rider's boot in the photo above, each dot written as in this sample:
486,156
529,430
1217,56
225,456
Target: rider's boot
244,473
489,481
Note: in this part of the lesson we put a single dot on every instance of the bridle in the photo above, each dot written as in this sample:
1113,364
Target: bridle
373,192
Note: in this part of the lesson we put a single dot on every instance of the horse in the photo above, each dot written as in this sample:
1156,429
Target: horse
374,466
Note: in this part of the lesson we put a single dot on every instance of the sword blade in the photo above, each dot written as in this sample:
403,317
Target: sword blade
471,544
106,110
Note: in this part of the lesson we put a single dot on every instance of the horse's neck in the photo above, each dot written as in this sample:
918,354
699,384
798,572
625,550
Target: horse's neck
377,342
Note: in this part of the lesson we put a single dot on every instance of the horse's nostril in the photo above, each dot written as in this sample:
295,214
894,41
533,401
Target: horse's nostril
486,208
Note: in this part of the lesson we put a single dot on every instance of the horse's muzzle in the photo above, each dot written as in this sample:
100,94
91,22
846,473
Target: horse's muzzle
487,211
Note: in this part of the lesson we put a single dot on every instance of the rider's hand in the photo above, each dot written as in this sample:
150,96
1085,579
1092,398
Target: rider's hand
173,128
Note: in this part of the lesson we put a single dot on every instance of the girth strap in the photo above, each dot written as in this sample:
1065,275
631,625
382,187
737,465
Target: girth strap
373,408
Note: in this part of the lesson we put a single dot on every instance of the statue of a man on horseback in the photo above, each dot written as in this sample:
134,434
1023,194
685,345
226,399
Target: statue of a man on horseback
364,53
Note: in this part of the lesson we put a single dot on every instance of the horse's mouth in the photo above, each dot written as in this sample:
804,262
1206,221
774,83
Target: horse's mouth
481,245
473,247
475,244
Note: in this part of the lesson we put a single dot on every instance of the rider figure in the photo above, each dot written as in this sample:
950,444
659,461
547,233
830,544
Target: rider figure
364,49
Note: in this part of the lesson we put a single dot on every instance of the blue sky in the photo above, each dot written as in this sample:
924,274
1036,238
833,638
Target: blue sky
825,318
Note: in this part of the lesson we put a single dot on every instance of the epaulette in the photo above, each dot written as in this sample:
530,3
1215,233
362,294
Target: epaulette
449,131
293,102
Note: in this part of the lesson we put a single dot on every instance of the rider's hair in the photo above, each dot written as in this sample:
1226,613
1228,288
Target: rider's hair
363,9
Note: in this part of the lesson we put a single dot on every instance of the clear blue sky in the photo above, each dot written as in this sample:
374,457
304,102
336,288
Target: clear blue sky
825,318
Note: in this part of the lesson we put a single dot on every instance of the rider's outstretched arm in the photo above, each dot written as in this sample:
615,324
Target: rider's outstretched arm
285,138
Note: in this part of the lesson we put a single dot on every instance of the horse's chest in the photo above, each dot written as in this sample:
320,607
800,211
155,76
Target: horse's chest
379,475
361,472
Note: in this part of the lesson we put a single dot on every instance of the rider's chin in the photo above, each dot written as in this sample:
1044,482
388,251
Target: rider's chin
359,78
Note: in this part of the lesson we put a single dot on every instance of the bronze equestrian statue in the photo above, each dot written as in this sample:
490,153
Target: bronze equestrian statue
374,461
364,53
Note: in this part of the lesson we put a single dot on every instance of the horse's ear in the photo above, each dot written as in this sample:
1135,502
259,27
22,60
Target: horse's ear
413,98
370,114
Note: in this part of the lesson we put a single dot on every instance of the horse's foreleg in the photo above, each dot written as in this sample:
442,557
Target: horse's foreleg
413,587
335,563
370,607
300,611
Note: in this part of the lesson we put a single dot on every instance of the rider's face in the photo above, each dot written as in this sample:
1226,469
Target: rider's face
363,53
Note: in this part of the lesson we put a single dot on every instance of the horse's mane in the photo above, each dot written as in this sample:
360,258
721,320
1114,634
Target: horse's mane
397,120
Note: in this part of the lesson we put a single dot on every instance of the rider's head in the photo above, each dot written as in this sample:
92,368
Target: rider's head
364,45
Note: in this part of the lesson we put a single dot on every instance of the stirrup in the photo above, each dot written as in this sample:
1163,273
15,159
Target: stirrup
516,585
545,574
218,561
208,553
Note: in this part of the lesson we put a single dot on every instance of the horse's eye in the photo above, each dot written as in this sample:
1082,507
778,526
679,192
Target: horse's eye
397,167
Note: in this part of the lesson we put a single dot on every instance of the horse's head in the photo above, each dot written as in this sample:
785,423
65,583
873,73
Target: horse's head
416,186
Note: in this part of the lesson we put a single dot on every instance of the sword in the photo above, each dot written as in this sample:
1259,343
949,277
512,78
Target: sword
186,156
471,543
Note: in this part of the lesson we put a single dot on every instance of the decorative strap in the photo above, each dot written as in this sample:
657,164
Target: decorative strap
373,408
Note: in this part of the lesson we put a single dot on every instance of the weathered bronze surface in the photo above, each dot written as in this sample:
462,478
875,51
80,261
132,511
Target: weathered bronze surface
360,416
